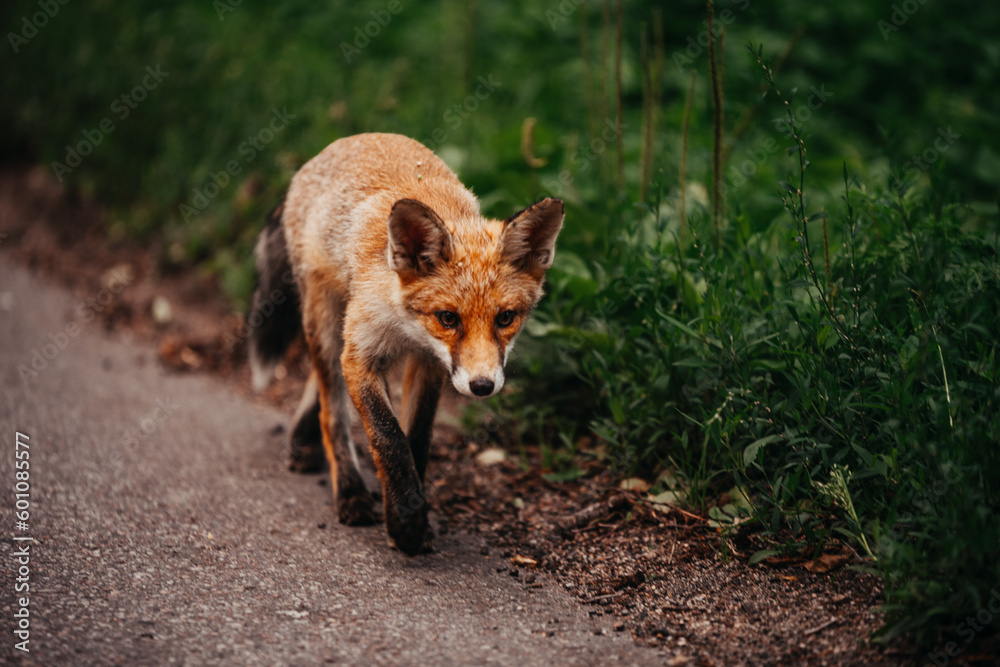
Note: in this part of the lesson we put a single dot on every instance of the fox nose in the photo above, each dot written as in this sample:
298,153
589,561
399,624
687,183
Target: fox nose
481,386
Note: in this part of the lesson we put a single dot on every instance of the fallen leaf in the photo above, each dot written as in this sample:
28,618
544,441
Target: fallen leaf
518,559
739,498
190,357
491,456
662,501
826,562
634,484
667,479
161,310
763,554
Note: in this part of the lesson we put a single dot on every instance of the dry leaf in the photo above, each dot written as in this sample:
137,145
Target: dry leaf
634,484
826,562
662,501
491,456
190,357
117,276
518,559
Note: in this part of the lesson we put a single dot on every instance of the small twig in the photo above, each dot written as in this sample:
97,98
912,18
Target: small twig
853,550
610,527
682,177
715,78
609,596
746,119
619,114
684,526
944,371
823,626
528,144
588,74
688,514
648,107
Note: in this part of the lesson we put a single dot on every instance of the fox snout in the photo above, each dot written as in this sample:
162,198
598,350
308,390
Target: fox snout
481,384
479,354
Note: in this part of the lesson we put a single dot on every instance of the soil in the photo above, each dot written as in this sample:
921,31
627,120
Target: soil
665,574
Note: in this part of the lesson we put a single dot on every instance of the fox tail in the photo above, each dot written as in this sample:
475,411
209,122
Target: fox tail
273,325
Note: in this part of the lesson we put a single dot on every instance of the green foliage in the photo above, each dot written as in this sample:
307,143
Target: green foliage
835,357
844,371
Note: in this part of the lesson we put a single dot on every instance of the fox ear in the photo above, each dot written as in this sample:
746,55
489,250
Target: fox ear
528,240
418,239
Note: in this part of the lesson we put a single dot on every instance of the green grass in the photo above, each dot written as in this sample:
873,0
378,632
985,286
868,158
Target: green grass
841,370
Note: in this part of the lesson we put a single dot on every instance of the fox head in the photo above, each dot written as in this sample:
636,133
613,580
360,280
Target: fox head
470,284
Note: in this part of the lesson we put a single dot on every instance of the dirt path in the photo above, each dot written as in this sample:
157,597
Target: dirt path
166,529
192,542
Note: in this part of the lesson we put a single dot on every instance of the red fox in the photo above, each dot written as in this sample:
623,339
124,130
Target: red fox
384,257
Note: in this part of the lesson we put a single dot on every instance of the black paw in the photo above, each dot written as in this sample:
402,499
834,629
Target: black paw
411,533
357,510
306,458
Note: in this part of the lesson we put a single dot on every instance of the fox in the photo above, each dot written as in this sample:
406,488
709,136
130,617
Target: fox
381,258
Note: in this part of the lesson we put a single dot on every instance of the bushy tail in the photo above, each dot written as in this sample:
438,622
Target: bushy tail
275,317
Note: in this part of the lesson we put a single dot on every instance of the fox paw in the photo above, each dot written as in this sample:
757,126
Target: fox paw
356,510
306,458
426,544
412,536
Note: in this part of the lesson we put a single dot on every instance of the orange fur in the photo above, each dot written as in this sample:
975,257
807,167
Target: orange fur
392,260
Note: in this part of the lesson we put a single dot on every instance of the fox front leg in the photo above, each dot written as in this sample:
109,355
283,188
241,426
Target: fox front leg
405,505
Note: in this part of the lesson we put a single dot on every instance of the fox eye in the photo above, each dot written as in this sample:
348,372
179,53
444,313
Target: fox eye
506,318
448,319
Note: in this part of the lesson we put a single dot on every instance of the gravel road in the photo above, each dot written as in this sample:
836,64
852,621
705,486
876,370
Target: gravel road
166,531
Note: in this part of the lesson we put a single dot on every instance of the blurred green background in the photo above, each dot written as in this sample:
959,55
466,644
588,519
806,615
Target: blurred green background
229,65
741,357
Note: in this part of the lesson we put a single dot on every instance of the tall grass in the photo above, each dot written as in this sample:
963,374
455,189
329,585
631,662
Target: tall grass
807,314
840,367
